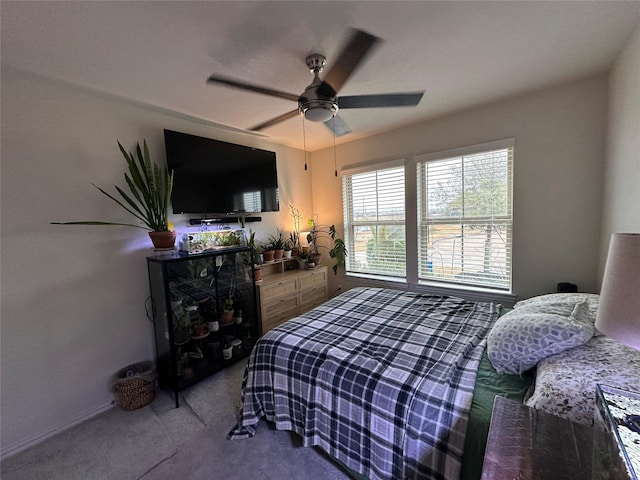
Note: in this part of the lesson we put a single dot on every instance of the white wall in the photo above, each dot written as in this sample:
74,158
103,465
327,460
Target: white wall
621,208
559,155
73,298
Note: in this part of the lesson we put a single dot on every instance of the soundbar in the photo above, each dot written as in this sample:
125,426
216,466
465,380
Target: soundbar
226,219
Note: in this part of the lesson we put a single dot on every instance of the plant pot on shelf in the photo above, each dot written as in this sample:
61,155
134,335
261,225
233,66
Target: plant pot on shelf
226,317
295,251
165,239
200,331
316,258
268,255
258,273
278,254
287,254
302,263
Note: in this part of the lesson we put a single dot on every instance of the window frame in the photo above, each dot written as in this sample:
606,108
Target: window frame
411,280
505,219
349,223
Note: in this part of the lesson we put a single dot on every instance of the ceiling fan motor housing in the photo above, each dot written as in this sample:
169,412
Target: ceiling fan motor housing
314,106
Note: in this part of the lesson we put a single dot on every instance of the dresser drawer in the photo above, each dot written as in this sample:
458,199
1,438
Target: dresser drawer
313,279
274,307
279,289
278,317
313,297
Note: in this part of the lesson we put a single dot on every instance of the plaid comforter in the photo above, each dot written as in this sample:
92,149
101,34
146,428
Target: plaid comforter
380,379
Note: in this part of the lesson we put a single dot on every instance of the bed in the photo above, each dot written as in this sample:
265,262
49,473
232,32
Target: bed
394,384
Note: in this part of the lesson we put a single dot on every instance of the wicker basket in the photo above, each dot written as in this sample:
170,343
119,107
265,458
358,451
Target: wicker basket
135,385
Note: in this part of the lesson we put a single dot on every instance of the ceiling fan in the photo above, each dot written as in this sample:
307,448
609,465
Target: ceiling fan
320,102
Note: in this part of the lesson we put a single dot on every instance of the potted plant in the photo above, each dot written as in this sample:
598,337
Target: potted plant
276,243
268,253
303,258
294,240
338,250
288,249
226,317
254,256
150,187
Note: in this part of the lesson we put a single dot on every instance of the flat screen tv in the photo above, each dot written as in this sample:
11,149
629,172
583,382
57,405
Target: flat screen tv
211,177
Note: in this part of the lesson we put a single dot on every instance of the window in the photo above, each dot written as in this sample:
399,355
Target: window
465,216
374,220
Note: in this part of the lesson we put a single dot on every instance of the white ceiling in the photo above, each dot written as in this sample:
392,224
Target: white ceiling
460,53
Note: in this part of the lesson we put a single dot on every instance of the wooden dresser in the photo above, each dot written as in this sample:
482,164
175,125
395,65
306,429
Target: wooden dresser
285,293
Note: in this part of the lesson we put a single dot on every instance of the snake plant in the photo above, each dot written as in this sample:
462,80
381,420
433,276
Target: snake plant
150,192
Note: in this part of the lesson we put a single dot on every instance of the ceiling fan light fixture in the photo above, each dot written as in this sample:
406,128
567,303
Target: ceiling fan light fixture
319,110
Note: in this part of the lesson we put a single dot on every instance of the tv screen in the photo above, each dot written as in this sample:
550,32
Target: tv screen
219,178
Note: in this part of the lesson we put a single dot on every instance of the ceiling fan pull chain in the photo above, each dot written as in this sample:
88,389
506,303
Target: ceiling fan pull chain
335,165
304,143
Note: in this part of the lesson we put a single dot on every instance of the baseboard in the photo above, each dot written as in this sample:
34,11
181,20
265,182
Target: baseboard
7,451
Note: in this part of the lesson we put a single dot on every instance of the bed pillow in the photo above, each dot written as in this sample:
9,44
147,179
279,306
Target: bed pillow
566,383
571,299
524,336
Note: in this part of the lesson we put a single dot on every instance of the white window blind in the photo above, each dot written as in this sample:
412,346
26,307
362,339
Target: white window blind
374,221
465,218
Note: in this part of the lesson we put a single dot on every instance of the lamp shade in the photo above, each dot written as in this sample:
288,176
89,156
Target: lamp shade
619,308
303,239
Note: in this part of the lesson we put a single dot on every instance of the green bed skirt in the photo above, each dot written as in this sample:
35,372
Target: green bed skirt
489,384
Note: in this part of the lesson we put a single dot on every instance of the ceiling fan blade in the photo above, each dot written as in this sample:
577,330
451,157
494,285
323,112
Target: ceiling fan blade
384,100
252,88
278,119
337,125
359,46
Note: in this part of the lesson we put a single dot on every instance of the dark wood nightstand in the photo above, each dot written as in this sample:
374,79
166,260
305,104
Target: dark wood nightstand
527,444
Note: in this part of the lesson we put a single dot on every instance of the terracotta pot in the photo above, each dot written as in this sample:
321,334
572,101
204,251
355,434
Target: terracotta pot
295,251
268,255
258,274
200,330
278,254
316,258
226,317
163,239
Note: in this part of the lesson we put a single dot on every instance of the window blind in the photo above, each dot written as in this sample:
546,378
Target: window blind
374,218
465,218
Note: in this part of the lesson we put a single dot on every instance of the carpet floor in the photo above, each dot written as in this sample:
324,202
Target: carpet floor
160,442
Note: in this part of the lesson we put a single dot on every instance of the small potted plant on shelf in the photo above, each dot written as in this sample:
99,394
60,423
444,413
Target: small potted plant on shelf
150,187
288,249
303,259
226,317
254,255
277,242
294,240
268,253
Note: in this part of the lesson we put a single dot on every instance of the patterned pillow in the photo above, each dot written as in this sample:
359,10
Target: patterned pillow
592,299
524,336
566,383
